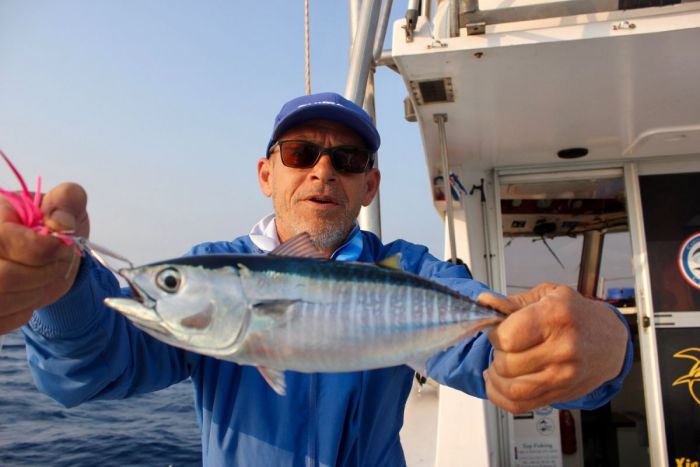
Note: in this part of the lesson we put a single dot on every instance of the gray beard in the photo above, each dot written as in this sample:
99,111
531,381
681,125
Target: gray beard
326,238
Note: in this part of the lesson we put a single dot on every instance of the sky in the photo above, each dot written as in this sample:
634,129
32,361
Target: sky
161,109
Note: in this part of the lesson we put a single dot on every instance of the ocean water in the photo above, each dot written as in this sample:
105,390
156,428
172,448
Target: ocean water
156,429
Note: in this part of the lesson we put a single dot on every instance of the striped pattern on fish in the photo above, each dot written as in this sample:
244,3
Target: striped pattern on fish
303,314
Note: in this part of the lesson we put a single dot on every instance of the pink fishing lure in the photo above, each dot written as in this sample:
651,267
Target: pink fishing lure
28,209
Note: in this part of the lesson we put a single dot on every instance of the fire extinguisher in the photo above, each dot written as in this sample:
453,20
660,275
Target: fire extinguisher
567,430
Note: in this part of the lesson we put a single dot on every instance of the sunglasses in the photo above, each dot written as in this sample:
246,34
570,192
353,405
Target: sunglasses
300,154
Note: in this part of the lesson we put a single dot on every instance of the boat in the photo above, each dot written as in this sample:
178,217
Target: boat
550,123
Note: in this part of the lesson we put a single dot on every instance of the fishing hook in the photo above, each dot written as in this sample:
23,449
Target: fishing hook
100,253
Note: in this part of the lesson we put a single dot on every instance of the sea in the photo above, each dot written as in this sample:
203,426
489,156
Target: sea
157,429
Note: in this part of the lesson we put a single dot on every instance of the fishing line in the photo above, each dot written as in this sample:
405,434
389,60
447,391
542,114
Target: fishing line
101,254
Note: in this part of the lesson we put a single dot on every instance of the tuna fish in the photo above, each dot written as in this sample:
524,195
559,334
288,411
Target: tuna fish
291,310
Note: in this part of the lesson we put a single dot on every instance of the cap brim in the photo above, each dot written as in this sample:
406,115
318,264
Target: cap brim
335,113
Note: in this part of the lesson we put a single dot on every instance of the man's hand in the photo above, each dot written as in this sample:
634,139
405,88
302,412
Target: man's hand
555,346
36,270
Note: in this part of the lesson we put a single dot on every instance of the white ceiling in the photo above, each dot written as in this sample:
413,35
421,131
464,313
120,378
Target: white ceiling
522,94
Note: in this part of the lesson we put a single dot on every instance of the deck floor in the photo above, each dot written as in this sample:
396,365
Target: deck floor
419,432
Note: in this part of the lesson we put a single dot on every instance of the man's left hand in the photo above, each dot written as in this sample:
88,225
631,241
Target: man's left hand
555,346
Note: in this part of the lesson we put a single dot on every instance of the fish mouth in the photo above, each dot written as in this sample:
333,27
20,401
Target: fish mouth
140,308
142,297
134,309
143,317
138,293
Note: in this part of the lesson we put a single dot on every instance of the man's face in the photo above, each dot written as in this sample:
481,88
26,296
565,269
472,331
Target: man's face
318,200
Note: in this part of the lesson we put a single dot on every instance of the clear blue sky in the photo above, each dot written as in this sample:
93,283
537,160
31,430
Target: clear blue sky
162,108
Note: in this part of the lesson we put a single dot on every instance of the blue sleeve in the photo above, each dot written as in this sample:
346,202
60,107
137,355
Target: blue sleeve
606,391
78,349
462,365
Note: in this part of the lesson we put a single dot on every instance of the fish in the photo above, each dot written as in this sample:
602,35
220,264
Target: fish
293,309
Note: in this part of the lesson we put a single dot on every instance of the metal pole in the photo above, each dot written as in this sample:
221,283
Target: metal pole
591,255
426,7
384,15
472,6
359,86
454,18
487,235
648,343
412,14
361,52
440,119
370,217
354,10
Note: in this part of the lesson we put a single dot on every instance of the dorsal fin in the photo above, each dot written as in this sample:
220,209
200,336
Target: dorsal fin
299,246
393,262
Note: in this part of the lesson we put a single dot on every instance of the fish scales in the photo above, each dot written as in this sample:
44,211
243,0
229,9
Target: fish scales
288,313
318,315
347,333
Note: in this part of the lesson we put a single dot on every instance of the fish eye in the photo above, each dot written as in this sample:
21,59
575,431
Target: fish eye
168,280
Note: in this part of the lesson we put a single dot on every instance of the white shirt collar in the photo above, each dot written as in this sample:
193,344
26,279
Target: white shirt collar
264,233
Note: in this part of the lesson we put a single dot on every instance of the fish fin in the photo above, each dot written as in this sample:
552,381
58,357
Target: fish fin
393,262
299,246
275,378
243,271
272,307
419,365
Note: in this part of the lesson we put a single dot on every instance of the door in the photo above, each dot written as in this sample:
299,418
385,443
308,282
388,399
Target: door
573,227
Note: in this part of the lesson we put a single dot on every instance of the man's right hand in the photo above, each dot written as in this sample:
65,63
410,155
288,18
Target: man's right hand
35,269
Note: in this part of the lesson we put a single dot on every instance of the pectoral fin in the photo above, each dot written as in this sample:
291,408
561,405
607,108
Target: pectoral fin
275,378
272,307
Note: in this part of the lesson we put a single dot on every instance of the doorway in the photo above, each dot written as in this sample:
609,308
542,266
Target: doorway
572,228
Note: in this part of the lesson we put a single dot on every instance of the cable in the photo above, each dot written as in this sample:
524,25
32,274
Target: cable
306,47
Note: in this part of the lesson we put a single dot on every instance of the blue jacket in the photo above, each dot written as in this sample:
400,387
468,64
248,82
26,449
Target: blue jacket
79,350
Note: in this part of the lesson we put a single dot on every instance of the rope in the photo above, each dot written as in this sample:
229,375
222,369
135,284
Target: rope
306,47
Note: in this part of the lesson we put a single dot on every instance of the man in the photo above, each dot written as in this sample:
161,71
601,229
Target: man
555,347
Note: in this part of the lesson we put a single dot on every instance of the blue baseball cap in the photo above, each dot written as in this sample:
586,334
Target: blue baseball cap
325,106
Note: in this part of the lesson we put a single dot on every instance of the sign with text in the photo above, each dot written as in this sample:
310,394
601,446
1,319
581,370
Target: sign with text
672,227
535,439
